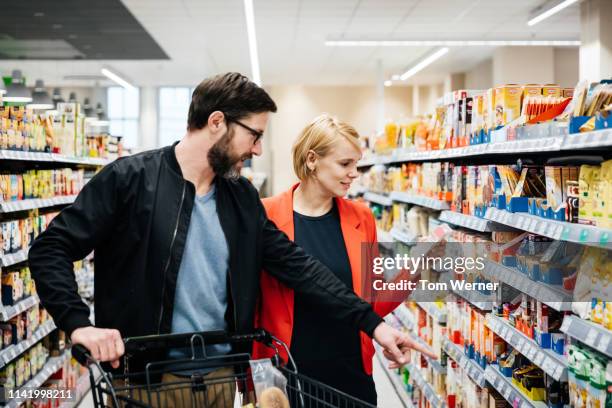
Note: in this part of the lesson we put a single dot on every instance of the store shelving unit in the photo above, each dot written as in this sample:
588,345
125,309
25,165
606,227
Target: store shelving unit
23,205
591,334
558,230
430,307
378,198
588,140
10,353
19,155
552,295
395,380
552,363
509,391
428,202
403,236
473,370
8,312
434,399
51,366
556,143
470,221
474,299
14,258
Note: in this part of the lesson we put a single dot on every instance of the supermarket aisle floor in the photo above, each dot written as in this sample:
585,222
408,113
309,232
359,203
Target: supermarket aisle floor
387,396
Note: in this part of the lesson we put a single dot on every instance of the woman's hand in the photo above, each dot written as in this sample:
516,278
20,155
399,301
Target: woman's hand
397,345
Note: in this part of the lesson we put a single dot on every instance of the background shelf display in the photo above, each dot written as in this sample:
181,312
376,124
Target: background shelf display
395,379
475,300
23,205
51,157
434,311
51,366
378,198
403,236
557,143
419,200
552,363
509,391
473,370
596,138
11,352
425,387
15,258
467,221
8,312
591,334
553,296
559,230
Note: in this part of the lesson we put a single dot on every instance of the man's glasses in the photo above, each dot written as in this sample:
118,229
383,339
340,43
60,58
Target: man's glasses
256,133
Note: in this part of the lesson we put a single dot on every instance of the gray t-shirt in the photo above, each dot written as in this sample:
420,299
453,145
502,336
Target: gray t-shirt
201,290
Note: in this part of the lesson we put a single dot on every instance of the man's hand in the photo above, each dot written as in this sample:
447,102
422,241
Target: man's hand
103,344
397,345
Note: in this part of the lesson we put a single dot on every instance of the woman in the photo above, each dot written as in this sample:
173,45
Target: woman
332,230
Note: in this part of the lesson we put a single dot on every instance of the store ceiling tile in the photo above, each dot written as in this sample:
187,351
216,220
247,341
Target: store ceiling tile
203,37
100,30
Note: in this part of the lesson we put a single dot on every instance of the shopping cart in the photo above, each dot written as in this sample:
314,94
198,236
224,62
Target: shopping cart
164,383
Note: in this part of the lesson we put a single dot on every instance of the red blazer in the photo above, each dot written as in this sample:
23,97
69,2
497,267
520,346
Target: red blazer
275,311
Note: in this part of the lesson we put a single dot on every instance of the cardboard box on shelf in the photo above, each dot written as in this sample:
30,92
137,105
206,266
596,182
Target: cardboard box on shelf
507,104
553,90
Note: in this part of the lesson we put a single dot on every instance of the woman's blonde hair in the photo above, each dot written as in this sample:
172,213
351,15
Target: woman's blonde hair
319,136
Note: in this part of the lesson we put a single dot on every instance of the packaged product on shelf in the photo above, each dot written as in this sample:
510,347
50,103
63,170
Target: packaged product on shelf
551,90
507,104
587,179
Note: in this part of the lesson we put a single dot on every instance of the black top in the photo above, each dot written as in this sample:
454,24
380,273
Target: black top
316,335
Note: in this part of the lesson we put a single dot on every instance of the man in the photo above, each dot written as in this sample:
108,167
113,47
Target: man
180,239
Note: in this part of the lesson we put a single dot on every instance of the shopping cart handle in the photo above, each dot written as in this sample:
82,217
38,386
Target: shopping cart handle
81,354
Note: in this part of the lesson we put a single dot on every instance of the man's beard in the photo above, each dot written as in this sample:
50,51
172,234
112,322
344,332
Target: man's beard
222,159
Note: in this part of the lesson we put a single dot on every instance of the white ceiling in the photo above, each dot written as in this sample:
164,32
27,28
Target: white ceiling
203,37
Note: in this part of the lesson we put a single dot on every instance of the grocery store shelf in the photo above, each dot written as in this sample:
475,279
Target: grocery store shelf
434,311
356,191
51,366
23,205
552,295
427,389
559,230
82,387
378,198
530,145
509,391
586,140
552,363
11,352
13,259
401,235
395,380
51,157
8,312
474,299
591,334
419,200
405,317
473,370
471,222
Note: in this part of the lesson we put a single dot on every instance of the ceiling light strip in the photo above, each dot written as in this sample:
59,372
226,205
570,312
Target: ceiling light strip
117,79
250,21
550,11
423,64
452,43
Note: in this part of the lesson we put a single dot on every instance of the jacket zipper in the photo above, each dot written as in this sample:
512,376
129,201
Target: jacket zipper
178,217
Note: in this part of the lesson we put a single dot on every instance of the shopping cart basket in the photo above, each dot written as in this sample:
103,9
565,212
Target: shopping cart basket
145,388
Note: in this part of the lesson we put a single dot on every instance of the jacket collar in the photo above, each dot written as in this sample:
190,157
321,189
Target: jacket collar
285,210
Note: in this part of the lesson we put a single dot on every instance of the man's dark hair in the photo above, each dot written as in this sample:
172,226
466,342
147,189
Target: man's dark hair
231,93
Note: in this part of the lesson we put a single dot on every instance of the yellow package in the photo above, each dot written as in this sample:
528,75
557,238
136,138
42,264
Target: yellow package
489,105
586,179
606,190
552,90
507,104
